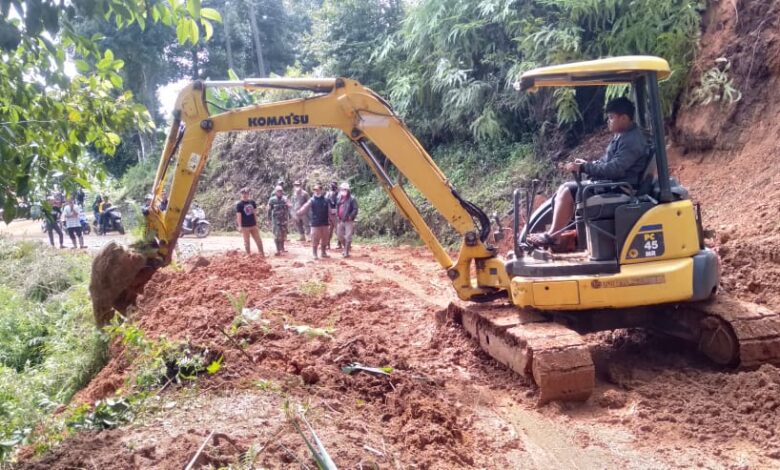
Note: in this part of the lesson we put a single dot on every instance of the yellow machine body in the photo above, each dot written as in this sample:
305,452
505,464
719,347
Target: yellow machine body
656,268
646,276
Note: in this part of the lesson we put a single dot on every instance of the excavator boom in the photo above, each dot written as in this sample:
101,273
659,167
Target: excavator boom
336,103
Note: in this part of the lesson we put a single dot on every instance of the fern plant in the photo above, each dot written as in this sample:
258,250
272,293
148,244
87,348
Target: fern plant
716,86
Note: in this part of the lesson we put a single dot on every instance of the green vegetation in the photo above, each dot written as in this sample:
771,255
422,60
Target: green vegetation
49,347
313,288
159,362
715,85
51,119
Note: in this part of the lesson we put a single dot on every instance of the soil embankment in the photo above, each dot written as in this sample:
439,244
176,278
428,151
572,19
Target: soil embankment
445,404
727,154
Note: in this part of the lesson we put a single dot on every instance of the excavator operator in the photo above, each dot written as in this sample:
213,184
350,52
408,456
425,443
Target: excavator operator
625,160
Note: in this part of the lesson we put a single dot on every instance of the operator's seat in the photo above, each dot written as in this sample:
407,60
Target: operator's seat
607,207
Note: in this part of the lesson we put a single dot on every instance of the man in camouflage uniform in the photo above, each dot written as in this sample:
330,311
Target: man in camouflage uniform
299,198
278,215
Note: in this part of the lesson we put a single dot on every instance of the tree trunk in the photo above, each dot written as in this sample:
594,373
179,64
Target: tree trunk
228,46
256,38
195,71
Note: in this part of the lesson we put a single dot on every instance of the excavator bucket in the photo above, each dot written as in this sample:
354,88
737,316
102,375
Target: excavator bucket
118,276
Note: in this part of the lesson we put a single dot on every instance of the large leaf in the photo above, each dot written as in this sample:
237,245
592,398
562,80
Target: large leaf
210,14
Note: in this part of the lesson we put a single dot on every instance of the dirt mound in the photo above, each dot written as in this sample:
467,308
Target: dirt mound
310,323
110,449
726,153
113,279
673,391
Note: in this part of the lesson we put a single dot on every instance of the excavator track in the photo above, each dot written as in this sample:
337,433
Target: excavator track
737,333
550,354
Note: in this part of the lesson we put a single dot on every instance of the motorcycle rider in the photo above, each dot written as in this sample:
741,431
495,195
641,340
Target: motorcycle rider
105,217
96,210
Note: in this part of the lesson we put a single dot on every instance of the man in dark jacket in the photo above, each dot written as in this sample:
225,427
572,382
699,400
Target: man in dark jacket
346,213
318,208
625,160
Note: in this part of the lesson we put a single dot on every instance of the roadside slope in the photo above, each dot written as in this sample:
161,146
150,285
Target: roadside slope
727,155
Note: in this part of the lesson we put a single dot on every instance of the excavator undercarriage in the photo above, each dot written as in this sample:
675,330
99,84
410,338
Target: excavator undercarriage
547,347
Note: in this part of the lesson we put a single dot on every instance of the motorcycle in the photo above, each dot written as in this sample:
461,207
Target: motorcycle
195,222
114,222
84,224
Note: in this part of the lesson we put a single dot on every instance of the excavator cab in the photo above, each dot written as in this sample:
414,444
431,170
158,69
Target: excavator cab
622,231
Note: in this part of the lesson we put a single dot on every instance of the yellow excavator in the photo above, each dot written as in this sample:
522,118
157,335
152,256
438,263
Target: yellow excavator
639,259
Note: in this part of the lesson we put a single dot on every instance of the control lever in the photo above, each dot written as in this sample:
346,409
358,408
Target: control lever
498,235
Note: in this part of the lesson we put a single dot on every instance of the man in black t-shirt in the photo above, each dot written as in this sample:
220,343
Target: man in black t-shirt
246,221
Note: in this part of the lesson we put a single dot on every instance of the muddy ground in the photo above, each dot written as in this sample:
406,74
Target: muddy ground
445,405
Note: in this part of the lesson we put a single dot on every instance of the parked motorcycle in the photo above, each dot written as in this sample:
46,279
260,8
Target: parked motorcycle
195,222
114,222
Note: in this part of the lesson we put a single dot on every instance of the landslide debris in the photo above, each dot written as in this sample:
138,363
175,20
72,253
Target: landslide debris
115,280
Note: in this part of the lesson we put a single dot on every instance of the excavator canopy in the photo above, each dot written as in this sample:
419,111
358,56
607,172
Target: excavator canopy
614,70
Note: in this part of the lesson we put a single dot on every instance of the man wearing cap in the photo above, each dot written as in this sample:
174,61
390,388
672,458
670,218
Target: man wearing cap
317,208
299,198
332,196
246,221
278,215
346,213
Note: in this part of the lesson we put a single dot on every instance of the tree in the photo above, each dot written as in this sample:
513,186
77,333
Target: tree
275,41
346,33
48,120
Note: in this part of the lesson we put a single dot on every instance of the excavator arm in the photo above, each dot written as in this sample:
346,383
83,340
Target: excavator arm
372,126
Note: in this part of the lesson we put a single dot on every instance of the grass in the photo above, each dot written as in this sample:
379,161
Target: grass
49,347
313,288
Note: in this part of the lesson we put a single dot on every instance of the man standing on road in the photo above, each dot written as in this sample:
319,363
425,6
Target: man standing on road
72,213
96,211
317,208
299,198
333,198
346,212
278,215
80,196
53,221
246,221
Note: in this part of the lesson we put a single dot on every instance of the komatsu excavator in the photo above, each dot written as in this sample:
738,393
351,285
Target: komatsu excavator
639,258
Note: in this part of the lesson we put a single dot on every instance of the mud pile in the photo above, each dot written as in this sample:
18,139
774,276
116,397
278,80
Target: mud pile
671,391
726,153
113,279
413,413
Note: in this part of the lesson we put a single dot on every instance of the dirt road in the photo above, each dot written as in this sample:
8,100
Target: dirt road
188,245
445,405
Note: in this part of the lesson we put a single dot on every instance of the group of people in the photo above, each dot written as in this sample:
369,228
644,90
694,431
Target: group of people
320,214
71,212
